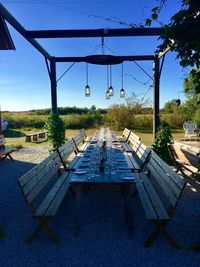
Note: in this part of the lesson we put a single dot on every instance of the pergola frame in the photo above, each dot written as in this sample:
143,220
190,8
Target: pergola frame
51,61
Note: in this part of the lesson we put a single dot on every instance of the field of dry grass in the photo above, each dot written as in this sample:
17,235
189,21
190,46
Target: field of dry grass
16,138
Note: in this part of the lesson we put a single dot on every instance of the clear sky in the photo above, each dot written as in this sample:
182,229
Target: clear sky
24,81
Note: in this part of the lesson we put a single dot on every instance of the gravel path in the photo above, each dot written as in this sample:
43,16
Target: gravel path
104,240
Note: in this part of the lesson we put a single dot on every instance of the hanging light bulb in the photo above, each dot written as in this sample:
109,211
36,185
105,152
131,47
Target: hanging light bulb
122,91
87,87
107,92
107,95
110,89
87,90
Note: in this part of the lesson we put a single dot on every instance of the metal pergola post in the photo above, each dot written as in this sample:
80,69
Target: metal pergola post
156,103
53,86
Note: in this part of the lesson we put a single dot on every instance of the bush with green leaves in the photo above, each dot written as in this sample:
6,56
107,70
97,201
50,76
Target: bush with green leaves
163,137
55,130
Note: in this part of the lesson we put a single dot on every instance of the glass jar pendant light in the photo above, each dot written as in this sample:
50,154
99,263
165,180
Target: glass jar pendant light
87,87
110,89
122,91
107,92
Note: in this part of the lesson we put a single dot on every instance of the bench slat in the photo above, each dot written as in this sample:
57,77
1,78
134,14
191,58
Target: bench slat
170,194
155,199
174,176
51,167
6,151
149,211
133,164
46,203
30,174
58,199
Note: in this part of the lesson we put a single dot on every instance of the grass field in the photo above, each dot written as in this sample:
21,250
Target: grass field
16,137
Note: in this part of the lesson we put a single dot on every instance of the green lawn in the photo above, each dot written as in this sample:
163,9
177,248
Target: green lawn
16,137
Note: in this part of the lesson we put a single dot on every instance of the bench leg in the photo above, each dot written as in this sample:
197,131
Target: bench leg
128,207
43,225
160,229
78,210
10,157
5,156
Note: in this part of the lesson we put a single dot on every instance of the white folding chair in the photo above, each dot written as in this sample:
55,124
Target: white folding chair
190,130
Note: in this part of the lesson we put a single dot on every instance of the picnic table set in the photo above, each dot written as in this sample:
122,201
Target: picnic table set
105,160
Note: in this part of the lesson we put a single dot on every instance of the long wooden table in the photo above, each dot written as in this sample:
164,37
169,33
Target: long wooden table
103,162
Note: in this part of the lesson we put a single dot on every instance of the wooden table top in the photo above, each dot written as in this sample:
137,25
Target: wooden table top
103,161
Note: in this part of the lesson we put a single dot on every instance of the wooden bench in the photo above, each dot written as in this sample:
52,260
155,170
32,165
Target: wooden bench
35,136
67,150
44,188
137,154
160,190
132,142
125,135
184,160
5,151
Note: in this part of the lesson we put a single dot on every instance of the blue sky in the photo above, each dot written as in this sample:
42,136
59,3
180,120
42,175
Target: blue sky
24,81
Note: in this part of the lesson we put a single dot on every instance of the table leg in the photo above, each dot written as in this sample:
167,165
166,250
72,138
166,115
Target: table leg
78,210
128,207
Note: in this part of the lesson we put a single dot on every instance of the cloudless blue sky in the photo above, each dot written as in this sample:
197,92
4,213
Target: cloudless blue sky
24,81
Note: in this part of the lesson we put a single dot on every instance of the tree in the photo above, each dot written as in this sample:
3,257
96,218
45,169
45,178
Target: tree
182,33
192,83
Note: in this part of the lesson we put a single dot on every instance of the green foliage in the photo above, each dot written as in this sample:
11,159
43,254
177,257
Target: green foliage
70,110
182,33
192,83
89,120
25,120
55,130
197,118
142,121
163,137
120,117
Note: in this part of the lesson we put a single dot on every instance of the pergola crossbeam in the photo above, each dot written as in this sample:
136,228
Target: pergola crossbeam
94,33
15,24
123,58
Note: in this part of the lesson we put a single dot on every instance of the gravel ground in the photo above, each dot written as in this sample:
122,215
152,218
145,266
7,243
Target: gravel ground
104,240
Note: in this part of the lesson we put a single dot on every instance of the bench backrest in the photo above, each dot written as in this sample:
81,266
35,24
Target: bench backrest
177,152
139,148
79,138
167,181
34,181
67,149
126,134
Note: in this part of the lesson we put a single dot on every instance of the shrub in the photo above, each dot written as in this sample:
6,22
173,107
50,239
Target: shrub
163,137
55,130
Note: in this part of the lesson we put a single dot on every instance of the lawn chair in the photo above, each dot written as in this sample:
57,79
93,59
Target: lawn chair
190,130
